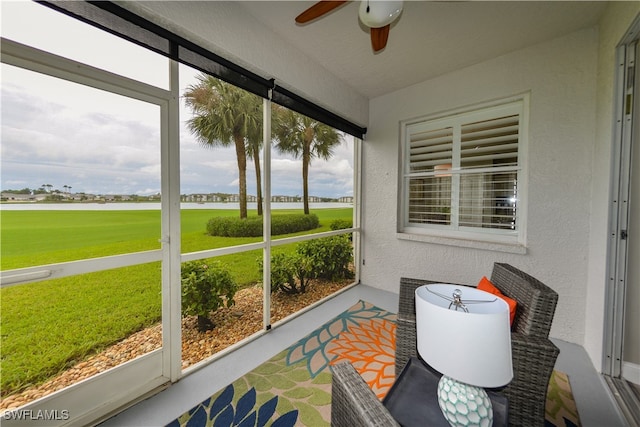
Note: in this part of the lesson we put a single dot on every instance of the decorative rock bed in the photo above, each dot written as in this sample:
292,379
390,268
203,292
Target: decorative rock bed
231,325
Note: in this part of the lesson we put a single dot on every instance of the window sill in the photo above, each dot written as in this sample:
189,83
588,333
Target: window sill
464,243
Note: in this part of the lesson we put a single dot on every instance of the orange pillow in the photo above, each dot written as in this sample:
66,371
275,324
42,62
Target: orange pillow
486,285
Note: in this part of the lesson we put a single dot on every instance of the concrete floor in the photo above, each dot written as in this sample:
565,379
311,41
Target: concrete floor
595,402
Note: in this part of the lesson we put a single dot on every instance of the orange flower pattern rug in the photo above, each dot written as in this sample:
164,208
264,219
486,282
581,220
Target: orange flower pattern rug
294,387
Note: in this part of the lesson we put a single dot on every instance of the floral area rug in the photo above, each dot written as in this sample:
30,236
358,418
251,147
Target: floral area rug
294,387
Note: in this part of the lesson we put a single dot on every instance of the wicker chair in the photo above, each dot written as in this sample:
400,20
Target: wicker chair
353,403
533,354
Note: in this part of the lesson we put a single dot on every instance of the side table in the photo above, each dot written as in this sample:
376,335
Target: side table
413,400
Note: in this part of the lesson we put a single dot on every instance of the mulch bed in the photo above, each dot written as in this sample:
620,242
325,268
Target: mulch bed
232,325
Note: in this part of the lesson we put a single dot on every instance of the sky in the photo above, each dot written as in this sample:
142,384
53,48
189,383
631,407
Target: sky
65,134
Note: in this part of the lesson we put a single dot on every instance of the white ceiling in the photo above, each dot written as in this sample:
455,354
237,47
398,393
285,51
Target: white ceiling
429,39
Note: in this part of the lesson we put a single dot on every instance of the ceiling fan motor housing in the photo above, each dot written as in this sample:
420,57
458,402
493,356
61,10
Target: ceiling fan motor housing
377,14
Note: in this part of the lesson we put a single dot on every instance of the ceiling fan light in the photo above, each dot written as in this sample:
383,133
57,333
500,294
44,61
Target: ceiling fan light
378,13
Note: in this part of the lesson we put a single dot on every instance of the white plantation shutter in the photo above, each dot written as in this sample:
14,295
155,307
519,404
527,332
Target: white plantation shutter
490,142
461,172
430,148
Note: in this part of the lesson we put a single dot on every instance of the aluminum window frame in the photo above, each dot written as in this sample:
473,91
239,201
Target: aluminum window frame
158,367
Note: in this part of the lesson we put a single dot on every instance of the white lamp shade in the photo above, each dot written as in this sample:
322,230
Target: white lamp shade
474,347
379,13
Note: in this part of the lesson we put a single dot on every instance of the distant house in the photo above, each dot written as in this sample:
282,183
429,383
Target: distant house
195,198
16,197
284,199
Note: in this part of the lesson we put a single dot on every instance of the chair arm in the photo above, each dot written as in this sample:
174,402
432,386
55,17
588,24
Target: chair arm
353,403
406,344
533,361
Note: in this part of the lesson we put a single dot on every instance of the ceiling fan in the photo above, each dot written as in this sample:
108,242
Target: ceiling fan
375,14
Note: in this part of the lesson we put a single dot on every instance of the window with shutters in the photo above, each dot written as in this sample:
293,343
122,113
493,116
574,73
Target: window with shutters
462,174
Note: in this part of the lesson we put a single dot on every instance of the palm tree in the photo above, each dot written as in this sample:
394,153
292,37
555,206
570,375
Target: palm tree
304,138
224,114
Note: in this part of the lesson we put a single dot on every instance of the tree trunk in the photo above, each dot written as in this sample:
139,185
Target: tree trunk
256,161
241,156
306,159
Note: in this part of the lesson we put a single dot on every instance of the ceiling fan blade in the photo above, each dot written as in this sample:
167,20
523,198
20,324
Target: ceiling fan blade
379,37
317,10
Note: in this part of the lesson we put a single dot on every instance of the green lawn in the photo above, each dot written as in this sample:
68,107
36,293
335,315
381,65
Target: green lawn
47,326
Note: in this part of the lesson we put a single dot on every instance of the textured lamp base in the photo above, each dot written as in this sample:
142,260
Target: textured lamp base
464,404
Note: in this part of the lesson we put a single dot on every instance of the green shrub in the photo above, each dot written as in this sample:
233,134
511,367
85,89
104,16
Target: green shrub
330,257
289,272
205,288
235,227
341,224
252,226
293,223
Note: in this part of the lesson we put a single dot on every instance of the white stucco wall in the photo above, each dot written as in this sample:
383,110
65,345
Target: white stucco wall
612,28
226,29
560,76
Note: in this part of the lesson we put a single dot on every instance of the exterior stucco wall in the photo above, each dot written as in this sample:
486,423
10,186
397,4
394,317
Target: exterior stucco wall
560,76
613,26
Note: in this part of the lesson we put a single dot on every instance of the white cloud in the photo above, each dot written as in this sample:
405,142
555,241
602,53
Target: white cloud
221,165
57,33
61,133
286,166
104,147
